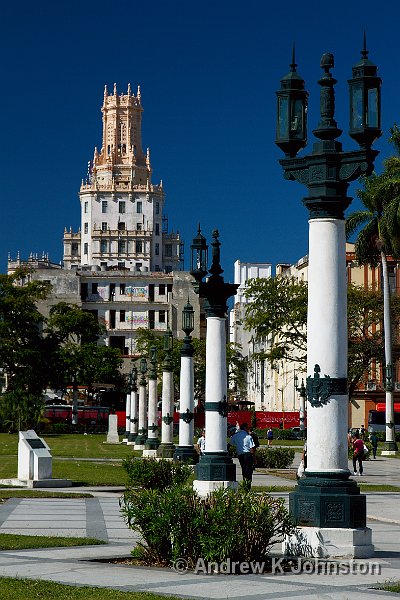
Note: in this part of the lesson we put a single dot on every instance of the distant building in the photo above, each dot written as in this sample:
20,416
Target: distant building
122,264
257,383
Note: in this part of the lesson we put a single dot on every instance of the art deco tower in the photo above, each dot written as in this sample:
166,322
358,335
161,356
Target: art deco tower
121,210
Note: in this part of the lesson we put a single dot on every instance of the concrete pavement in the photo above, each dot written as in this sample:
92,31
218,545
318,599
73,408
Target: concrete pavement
99,517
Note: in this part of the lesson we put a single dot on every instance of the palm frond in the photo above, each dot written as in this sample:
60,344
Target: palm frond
357,220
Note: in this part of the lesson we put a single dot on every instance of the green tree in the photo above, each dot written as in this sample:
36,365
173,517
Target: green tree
378,236
22,346
278,311
79,360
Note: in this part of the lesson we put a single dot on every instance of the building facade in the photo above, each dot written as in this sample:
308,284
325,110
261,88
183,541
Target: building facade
122,212
122,264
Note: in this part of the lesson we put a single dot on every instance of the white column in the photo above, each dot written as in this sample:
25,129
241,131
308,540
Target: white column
167,408
186,401
127,417
152,421
327,343
140,440
216,383
134,416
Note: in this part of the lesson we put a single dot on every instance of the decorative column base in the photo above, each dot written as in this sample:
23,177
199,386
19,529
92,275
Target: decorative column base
214,470
151,446
140,439
329,542
131,439
166,450
149,453
186,454
332,516
125,438
389,449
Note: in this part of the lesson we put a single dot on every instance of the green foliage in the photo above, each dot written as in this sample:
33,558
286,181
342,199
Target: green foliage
177,523
274,458
20,410
23,351
278,309
152,474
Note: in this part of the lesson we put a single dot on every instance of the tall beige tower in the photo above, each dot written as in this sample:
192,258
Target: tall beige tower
121,210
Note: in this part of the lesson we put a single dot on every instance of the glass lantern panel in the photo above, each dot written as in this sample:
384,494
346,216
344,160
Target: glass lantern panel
372,113
357,119
283,118
296,122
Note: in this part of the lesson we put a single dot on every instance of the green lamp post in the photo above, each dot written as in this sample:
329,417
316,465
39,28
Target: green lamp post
326,504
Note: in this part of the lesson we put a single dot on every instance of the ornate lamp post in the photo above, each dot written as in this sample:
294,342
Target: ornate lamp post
302,411
326,503
215,468
185,451
152,442
142,431
166,448
134,407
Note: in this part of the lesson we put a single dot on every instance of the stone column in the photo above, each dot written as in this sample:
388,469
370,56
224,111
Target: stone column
127,417
142,430
152,442
185,451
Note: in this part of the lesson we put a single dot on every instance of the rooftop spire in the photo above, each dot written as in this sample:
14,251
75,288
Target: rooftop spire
294,64
364,51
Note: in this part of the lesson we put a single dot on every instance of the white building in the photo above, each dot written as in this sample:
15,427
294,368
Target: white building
122,211
258,385
122,264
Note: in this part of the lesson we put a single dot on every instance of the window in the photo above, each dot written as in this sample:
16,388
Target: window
104,226
74,249
157,267
157,249
138,266
168,269
112,319
122,289
169,288
168,249
85,248
121,226
86,228
161,289
157,208
121,265
94,288
104,206
138,227
151,319
139,207
161,316
103,246
157,228
121,247
85,207
122,316
121,208
139,247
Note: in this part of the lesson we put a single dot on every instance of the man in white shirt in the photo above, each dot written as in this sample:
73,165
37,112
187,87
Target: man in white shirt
244,445
201,443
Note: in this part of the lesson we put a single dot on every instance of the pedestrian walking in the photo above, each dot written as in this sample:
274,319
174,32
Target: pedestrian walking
374,443
270,436
201,443
358,453
244,445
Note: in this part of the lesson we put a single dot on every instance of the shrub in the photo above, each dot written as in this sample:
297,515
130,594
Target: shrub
152,474
227,524
274,458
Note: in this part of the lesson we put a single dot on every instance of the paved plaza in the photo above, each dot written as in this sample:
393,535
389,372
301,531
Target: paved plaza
99,517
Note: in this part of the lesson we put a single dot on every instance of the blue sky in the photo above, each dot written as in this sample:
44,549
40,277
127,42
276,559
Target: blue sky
208,73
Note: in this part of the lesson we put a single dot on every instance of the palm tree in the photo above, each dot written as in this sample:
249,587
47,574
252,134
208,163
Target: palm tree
378,238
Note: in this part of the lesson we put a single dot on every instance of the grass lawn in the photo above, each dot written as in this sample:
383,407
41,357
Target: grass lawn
9,541
80,472
277,443
15,589
72,445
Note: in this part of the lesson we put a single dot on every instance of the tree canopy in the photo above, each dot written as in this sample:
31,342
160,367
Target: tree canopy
278,311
